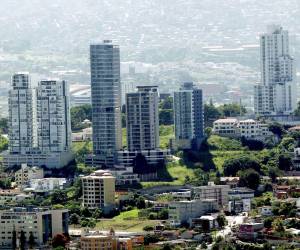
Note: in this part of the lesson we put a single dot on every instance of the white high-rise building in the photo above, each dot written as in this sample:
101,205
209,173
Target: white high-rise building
188,116
22,136
53,116
39,124
276,94
142,119
106,100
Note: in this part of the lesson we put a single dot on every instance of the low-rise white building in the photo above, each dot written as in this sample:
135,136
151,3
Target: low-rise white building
226,127
250,129
85,135
184,211
47,184
266,211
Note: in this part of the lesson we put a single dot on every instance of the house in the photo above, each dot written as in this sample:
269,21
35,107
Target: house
266,211
249,231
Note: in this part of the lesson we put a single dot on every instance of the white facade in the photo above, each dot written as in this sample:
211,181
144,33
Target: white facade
53,116
253,129
250,129
226,127
47,184
142,119
266,211
39,123
184,211
22,134
188,115
277,91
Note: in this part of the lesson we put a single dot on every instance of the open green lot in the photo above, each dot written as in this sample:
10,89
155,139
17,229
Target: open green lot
126,221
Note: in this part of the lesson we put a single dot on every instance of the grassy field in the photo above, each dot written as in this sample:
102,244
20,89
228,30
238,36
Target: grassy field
212,158
174,174
76,146
165,134
126,221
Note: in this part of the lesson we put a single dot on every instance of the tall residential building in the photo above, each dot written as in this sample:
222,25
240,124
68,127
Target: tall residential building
22,136
99,190
188,115
106,100
142,119
276,93
53,116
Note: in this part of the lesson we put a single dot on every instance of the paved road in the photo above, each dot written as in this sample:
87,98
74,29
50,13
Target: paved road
232,221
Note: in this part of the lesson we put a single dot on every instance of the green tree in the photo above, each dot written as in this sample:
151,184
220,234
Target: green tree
208,131
232,110
14,239
278,226
234,165
268,222
74,219
4,125
82,152
97,214
148,228
285,161
3,143
163,214
59,197
203,245
167,103
287,143
22,240
31,240
85,212
151,238
59,240
5,184
79,114
277,129
140,202
91,223
166,117
249,178
221,219
211,113
167,247
297,110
